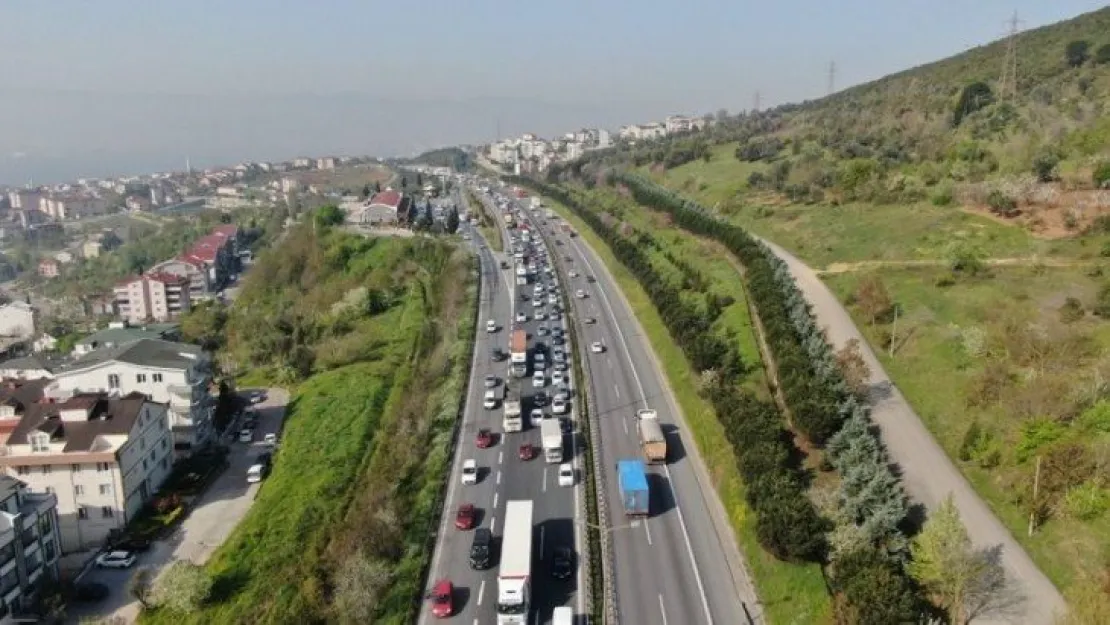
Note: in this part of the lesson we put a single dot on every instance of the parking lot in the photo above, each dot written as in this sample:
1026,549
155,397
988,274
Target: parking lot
210,521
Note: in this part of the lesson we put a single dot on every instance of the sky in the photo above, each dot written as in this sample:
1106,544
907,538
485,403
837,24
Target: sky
131,86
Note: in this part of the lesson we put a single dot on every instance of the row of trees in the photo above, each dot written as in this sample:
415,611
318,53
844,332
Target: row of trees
867,543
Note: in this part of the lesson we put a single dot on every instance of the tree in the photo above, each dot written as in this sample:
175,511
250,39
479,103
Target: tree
359,584
853,367
961,579
329,215
1077,52
419,180
204,325
451,223
404,183
182,587
366,191
974,97
411,214
873,299
1102,55
1044,166
140,586
1101,175
377,187
872,590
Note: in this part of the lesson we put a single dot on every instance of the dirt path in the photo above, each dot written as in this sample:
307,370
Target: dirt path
867,265
928,474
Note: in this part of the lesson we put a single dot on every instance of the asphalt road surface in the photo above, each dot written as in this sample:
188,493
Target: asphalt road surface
681,564
502,475
928,473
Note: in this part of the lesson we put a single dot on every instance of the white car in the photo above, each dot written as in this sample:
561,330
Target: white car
270,439
536,303
559,406
491,326
572,273
557,378
246,435
536,415
542,330
539,315
115,560
596,347
580,294
566,474
490,400
470,472
551,299
539,380
521,317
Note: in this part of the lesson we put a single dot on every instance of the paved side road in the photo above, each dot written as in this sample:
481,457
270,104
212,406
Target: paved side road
927,472
212,519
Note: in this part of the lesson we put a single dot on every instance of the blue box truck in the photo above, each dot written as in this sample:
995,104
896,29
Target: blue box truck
632,482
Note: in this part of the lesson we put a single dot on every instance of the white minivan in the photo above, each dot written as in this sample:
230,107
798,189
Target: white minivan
562,615
539,380
491,326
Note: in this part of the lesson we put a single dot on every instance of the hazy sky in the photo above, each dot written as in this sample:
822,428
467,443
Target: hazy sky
125,86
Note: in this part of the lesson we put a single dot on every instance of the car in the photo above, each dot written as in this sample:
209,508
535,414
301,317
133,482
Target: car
270,439
596,347
521,317
559,355
566,474
559,406
115,560
560,365
539,398
90,592
589,321
591,279
257,472
539,315
484,438
491,326
470,471
536,415
572,274
257,397
566,425
557,331
536,303
442,598
551,299
538,380
489,402
541,330
246,435
526,452
464,517
580,294
568,259
562,562
491,381
558,340
481,549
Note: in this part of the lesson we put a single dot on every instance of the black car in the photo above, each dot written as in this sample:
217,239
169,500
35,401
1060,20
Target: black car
495,354
591,279
562,563
265,459
539,399
481,549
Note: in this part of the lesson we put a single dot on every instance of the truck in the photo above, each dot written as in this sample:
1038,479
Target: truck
513,578
633,486
536,203
513,421
551,437
652,442
521,269
508,217
518,353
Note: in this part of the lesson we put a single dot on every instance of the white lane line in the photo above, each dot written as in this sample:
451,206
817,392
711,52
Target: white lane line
670,483
495,500
647,531
498,478
624,422
541,542
475,621
481,590
500,457
493,522
545,479
617,390
662,609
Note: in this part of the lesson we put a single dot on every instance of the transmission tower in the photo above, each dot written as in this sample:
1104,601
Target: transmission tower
1007,84
755,102
832,77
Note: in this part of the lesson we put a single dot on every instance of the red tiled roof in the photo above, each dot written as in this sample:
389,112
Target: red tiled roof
226,230
387,198
157,276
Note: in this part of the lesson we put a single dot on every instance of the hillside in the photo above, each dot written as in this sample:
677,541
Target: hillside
946,133
455,158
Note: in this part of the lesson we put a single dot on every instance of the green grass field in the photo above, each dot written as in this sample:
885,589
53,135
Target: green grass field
791,594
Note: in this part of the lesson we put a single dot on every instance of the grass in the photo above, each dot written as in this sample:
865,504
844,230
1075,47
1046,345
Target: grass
486,222
789,593
933,357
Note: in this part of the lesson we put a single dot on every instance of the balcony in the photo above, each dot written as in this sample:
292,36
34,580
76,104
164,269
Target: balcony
29,538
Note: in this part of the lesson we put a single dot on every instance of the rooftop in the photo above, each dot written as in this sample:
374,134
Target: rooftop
389,197
145,352
115,336
103,416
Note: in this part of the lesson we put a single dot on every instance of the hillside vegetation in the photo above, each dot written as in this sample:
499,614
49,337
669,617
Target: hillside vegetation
947,133
375,335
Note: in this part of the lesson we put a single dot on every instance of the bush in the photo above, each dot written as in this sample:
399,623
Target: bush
1001,204
1088,501
1100,178
1072,310
1044,166
183,587
872,590
1035,434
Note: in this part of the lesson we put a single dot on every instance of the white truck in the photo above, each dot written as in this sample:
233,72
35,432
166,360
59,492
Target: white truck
513,421
513,587
551,437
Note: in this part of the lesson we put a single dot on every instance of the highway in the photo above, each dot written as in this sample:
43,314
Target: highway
680,565
503,476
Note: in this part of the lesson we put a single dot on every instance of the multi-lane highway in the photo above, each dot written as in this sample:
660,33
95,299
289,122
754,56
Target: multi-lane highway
503,476
671,568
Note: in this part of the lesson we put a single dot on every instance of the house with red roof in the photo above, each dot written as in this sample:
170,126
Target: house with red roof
384,207
208,264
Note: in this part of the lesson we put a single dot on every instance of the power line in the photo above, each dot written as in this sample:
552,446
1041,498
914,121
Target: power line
832,77
1007,83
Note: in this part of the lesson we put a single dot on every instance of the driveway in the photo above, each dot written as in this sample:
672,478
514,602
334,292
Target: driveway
213,517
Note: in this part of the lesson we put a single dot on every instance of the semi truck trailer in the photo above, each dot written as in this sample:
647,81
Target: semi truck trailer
652,442
514,595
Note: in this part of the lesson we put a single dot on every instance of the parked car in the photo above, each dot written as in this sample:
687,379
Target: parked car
596,347
270,439
442,597
491,381
246,435
115,560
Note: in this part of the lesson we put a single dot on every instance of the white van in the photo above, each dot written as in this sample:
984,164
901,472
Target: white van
255,473
491,326
562,615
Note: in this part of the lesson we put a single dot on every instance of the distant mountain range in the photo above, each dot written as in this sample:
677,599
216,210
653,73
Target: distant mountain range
56,136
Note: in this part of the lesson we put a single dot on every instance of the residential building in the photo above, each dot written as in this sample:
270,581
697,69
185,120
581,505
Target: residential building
385,207
290,185
49,268
29,545
24,199
152,297
122,332
65,207
44,343
15,394
208,264
102,457
325,163
65,257
18,319
177,374
137,203
31,367
91,248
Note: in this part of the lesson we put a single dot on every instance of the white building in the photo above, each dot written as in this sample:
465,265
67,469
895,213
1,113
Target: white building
29,545
102,457
153,297
18,319
177,374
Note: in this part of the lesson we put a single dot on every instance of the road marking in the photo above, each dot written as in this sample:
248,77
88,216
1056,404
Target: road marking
498,478
624,422
670,483
492,524
541,542
545,479
500,457
647,531
475,621
494,500
617,390
481,589
662,609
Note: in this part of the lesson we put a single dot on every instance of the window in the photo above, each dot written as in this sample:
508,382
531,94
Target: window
144,464
76,468
113,380
46,469
102,466
78,490
142,443
165,443
157,377
105,489
165,462
82,512
152,454
140,377
106,512
23,470
40,441
44,524
49,549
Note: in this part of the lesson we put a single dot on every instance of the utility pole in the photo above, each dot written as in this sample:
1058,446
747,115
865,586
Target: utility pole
1036,489
1007,83
832,77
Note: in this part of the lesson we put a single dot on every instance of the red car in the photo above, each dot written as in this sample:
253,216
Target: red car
464,518
484,438
527,451
442,596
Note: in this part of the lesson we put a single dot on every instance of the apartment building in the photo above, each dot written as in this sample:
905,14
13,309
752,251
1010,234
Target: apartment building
66,207
157,296
49,268
29,545
121,332
176,374
102,457
208,264
18,319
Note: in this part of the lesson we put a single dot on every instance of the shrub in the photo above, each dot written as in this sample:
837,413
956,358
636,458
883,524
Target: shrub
1072,310
1035,434
1001,204
1101,175
872,590
1087,501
